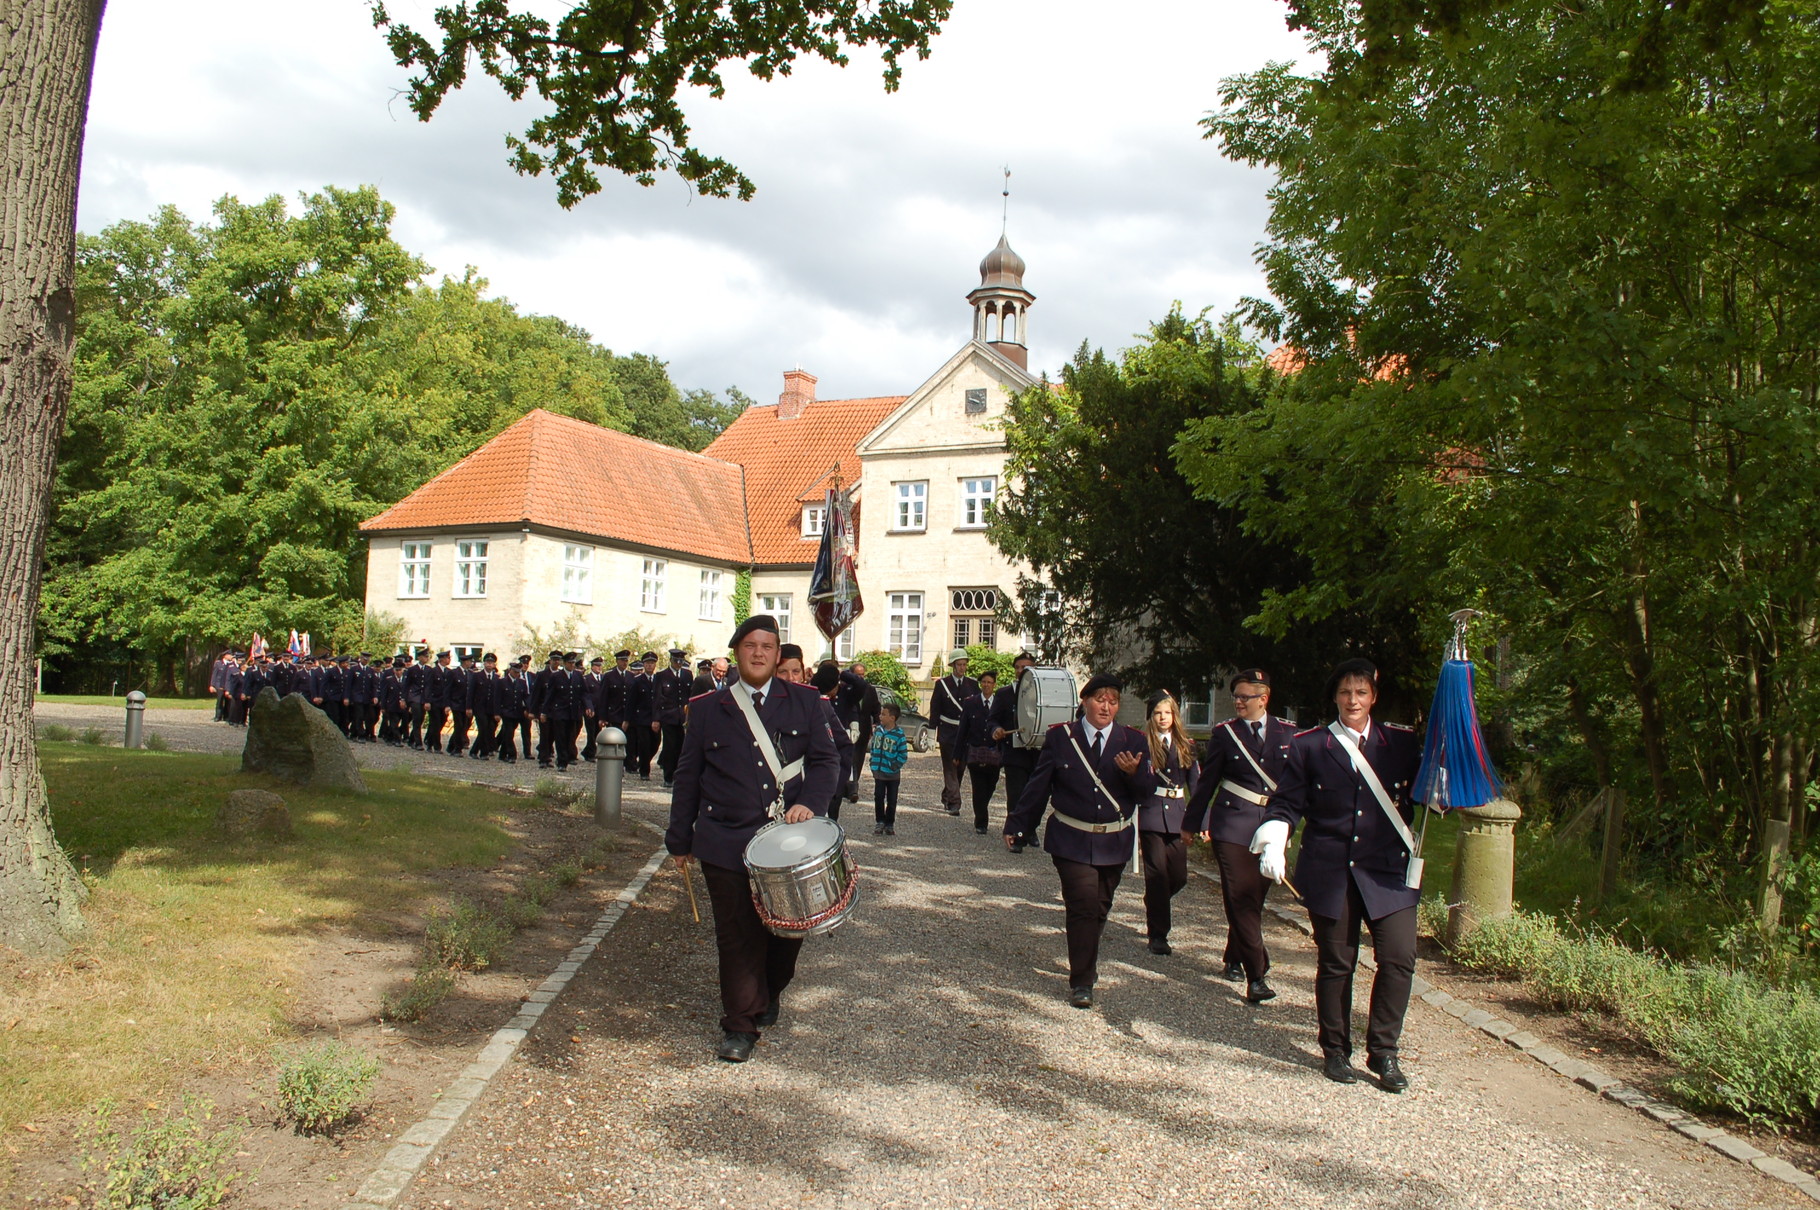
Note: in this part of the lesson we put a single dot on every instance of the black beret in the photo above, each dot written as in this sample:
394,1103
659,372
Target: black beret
624,653
1252,676
1099,681
1156,699
753,624
789,651
1023,655
826,677
1356,666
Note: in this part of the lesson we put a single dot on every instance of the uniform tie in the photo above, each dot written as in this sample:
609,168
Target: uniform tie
1257,729
1098,746
758,701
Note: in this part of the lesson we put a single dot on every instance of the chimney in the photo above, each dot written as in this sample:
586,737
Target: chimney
799,393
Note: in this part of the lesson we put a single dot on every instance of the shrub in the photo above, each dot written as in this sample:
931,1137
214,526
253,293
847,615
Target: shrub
565,875
883,668
320,1087
429,987
553,792
156,743
538,889
467,937
522,913
93,735
598,853
172,1162
56,733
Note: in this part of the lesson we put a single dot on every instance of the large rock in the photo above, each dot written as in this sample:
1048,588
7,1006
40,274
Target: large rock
253,813
292,739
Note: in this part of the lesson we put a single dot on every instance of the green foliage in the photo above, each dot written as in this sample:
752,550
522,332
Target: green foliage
520,912
56,733
982,659
94,736
883,668
428,987
320,1087
1744,1045
538,889
612,75
163,1162
565,874
155,742
1556,359
742,596
466,937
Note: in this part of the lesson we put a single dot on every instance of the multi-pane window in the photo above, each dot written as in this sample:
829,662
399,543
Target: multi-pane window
710,595
578,573
777,604
912,506
904,626
1197,710
976,501
471,568
963,631
815,516
651,586
464,650
414,570
989,633
844,645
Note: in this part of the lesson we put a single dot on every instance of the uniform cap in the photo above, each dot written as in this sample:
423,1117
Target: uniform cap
440,654
1250,676
556,655
958,656
572,656
596,660
1099,681
703,665
624,653
677,653
1023,655
649,655
752,625
826,677
489,658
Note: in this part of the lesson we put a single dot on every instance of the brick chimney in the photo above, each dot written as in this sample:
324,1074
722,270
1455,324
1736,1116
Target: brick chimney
799,393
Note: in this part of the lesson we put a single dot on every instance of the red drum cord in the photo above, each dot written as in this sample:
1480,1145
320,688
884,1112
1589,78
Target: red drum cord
820,918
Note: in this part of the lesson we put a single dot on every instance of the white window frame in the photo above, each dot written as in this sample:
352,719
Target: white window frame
471,555
577,573
651,586
777,604
414,570
461,651
910,507
815,519
846,647
904,626
710,595
978,494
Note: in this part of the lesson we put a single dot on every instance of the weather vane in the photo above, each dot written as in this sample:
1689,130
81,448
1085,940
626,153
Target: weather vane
1005,219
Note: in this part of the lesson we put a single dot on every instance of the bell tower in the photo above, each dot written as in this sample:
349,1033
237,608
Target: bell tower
1001,305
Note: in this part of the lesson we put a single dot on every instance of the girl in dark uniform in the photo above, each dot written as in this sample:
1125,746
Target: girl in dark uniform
1160,840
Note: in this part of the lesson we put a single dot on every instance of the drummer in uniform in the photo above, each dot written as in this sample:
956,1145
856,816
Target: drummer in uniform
726,790
1095,772
1016,760
1349,784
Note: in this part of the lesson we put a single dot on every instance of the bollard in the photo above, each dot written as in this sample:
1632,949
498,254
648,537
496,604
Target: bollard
135,720
1484,866
609,774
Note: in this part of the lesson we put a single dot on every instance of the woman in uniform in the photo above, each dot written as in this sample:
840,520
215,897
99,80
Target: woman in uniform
1160,836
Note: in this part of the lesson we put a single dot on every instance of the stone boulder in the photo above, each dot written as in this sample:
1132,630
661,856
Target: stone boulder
253,813
292,739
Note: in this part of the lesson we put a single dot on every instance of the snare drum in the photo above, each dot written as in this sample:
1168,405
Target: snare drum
803,880
1045,697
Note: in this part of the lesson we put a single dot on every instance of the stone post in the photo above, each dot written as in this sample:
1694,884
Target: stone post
1484,866
135,720
609,775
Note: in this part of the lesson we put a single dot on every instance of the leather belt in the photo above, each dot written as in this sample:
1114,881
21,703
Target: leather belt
1250,796
1098,828
1169,792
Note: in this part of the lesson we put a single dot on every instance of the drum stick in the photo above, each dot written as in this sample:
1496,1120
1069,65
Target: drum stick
689,885
1292,890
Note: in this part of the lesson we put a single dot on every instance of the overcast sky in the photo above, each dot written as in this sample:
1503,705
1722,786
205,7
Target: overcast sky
872,213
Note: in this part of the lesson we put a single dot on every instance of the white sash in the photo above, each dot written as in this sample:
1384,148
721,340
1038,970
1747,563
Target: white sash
780,771
1245,751
1412,877
1124,821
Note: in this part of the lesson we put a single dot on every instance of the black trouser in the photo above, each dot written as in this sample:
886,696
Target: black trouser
1336,943
1243,890
672,750
415,737
1165,874
350,717
556,736
985,782
592,727
333,710
236,715
840,789
523,727
756,965
859,762
884,799
953,756
641,745
486,733
1017,775
432,739
221,705
503,742
1087,900
546,740
458,734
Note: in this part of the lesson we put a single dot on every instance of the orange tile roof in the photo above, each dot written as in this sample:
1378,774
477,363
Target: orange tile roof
786,461
565,474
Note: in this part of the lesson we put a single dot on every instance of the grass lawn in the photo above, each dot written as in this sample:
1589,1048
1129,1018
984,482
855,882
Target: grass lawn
195,942
153,703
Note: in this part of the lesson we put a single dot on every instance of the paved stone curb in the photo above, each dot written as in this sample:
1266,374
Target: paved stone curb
414,1147
1581,1073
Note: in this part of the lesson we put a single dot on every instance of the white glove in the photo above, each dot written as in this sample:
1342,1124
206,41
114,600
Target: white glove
1271,842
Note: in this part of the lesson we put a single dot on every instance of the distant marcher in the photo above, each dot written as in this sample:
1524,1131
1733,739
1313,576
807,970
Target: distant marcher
981,749
946,701
1016,760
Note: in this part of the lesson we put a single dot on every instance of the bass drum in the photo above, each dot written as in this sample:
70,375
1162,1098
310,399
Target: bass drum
1045,697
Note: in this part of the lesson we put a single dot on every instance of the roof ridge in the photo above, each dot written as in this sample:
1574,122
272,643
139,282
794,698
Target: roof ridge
657,445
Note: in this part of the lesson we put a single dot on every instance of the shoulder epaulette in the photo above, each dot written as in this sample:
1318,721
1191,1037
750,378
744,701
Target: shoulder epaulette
1310,731
1284,721
1400,727
1053,726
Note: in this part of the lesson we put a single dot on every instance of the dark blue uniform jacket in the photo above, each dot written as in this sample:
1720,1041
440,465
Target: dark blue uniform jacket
724,788
1346,835
1061,780
1223,814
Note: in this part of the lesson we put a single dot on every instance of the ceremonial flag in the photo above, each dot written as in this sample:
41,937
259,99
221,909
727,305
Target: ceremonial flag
834,584
306,642
1456,769
296,647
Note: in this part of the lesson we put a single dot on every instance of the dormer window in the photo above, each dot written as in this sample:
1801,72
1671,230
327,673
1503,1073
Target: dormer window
815,519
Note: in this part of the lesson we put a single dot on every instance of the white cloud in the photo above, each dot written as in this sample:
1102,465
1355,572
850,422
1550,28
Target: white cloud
873,209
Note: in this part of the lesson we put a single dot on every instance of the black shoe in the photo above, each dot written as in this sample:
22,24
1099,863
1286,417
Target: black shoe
1390,1076
768,1018
1080,997
735,1047
1337,1068
980,831
1017,846
891,829
1257,991
953,810
878,829
1160,946
1233,972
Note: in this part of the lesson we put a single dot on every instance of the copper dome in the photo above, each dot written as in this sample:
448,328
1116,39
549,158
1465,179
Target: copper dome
1002,267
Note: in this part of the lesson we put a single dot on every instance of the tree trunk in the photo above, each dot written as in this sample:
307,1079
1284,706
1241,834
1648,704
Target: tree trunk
47,56
1776,829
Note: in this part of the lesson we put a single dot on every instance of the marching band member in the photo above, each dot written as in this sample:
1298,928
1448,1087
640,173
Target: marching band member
1094,773
980,749
1240,770
757,746
946,702
1162,839
1350,783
